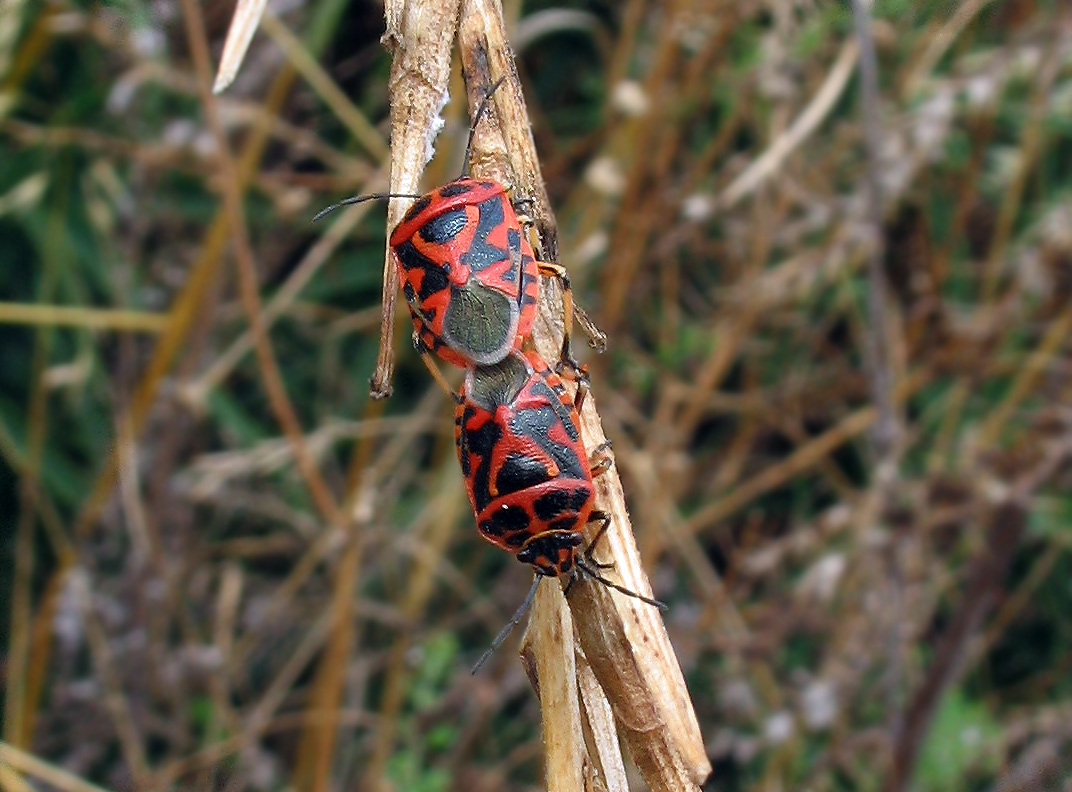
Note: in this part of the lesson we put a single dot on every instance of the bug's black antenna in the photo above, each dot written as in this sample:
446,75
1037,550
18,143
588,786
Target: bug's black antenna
361,199
510,625
591,567
476,120
592,573
465,163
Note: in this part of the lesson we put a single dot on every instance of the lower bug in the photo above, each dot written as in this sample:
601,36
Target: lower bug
527,473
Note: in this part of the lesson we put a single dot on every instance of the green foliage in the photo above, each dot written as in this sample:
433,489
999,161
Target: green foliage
415,765
960,746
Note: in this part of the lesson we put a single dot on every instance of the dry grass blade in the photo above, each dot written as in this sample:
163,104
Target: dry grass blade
90,318
624,640
26,763
345,110
247,16
767,164
248,285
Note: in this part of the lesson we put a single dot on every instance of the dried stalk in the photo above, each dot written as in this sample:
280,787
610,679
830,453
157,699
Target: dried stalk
624,641
421,34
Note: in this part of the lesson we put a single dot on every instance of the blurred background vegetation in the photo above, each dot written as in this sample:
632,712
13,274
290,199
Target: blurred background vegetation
852,611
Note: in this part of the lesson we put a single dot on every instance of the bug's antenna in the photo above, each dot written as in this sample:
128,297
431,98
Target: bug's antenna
592,573
510,625
472,130
362,199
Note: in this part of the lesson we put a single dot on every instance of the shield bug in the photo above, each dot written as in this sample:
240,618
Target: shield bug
527,473
468,271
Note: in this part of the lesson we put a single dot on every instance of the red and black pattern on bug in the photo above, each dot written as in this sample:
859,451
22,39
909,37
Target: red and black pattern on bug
527,473
468,273
526,470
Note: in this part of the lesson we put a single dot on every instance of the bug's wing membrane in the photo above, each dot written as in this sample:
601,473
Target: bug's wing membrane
481,321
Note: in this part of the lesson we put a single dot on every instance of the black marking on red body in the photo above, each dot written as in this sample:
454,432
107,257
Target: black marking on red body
536,423
561,501
435,277
568,523
519,472
444,227
513,242
417,207
510,521
479,442
459,187
481,253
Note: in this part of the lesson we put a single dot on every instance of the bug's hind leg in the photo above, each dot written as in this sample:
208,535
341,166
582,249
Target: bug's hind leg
600,460
572,312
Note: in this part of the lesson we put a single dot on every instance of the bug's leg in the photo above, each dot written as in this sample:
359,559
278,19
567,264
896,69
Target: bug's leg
523,217
599,460
596,516
580,375
433,369
573,312
597,339
591,567
565,356
593,573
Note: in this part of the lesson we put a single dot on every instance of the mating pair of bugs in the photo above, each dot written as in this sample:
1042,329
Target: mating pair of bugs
471,280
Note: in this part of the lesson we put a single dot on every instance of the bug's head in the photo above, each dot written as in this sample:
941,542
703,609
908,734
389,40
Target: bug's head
552,553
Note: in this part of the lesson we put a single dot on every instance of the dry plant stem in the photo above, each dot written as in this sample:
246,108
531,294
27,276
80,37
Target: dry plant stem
553,676
88,318
421,33
939,43
22,762
286,295
17,705
624,640
768,163
318,744
327,89
437,519
803,458
1030,150
600,731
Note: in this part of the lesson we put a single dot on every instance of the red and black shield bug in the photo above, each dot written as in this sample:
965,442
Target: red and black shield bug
467,270
527,473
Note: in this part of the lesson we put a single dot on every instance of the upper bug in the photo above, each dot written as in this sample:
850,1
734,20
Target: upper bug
527,473
467,269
